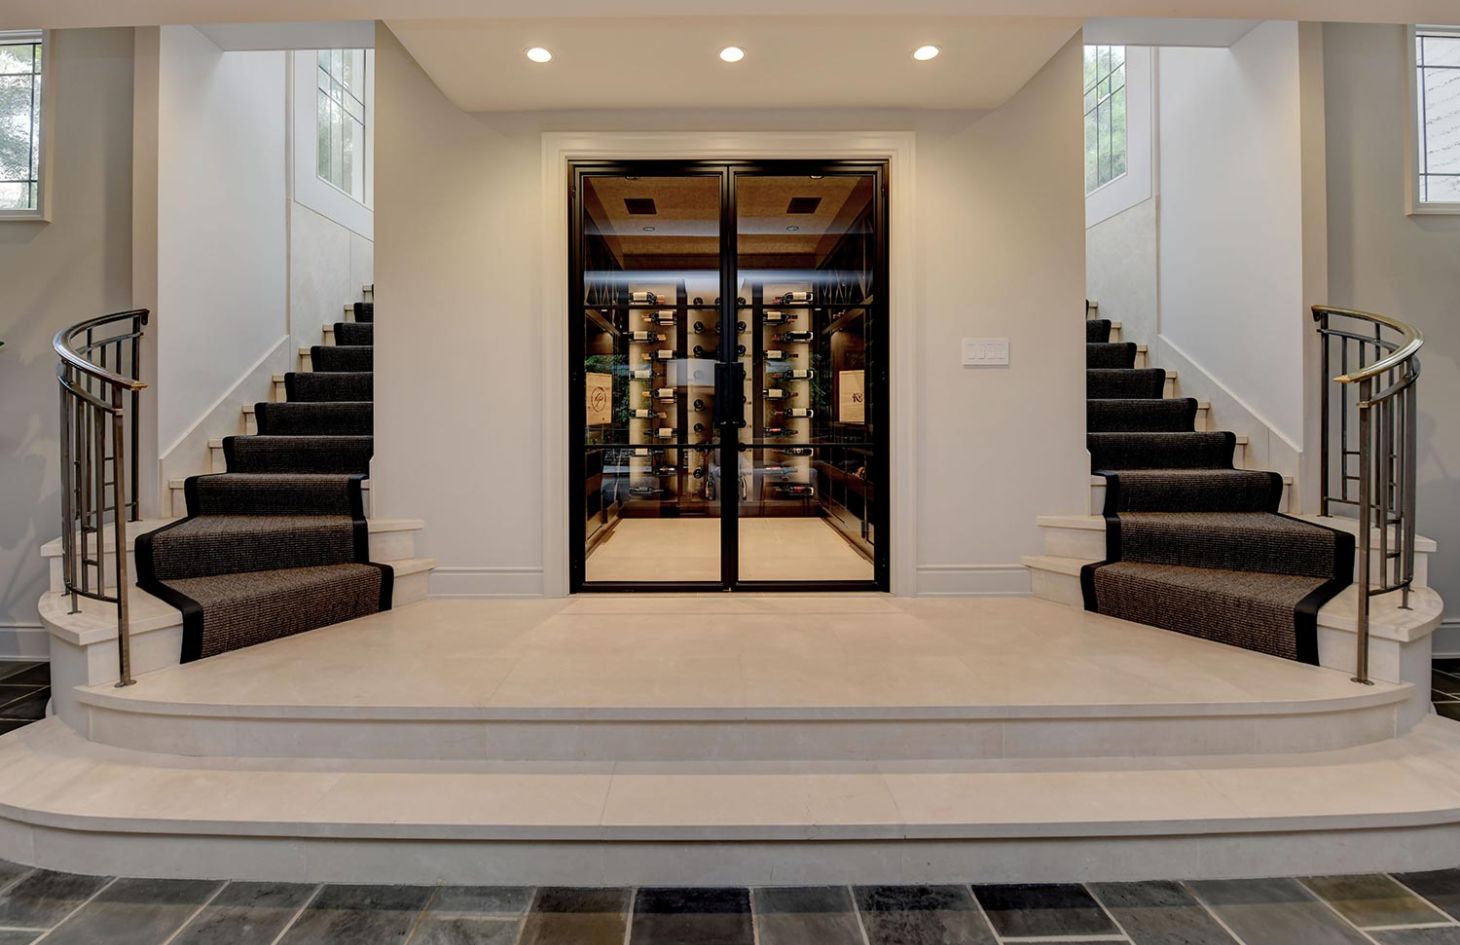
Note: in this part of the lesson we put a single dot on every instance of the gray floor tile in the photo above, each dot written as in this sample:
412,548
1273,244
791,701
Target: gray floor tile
246,914
25,672
1449,710
465,930
354,915
692,917
1372,900
10,872
1440,887
1449,935
19,936
1034,910
796,915
1160,913
483,900
43,898
135,912
921,915
564,915
1275,912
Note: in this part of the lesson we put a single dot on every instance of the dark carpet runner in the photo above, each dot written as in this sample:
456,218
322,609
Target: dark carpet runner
278,544
1193,544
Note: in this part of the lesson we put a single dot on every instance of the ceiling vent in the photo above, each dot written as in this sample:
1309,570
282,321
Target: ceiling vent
803,204
640,206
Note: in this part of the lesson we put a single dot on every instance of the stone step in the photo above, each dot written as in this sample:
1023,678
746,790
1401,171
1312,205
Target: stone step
69,804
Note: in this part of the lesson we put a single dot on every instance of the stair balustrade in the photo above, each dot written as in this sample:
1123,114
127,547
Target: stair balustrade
99,373
1370,409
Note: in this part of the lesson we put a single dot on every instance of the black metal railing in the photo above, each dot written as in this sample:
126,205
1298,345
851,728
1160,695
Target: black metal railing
99,373
1370,408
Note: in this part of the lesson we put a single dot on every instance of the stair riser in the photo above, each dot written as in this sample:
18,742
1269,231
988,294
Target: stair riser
805,739
1097,494
384,546
1088,544
178,506
724,856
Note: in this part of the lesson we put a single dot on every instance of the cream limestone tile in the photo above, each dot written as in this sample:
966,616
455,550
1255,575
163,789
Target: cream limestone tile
592,680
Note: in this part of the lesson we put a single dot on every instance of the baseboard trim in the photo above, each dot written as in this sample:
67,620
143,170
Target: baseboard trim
487,582
26,641
1445,642
965,580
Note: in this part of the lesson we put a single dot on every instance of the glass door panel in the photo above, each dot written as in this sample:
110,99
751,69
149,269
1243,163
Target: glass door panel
649,250
807,262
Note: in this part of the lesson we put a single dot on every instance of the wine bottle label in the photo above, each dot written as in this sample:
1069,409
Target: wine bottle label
790,297
775,393
798,374
665,393
779,318
642,374
643,414
645,336
643,297
663,354
774,354
665,433
800,412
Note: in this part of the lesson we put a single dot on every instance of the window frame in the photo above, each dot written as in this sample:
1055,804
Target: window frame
307,187
1413,154
41,212
1109,100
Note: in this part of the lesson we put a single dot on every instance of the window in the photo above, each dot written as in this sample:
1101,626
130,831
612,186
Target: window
1105,120
1437,95
20,121
340,79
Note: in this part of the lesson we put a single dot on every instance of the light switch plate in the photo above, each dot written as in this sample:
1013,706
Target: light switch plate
981,352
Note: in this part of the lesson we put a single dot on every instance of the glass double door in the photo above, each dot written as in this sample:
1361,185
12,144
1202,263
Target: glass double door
729,378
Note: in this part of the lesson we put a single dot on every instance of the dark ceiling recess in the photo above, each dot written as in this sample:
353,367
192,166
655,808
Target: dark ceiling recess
803,204
640,206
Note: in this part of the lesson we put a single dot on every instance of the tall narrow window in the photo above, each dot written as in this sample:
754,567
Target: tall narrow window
341,83
20,120
1105,127
1437,95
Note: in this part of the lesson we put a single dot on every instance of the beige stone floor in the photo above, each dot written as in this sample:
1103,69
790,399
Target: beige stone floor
688,549
727,651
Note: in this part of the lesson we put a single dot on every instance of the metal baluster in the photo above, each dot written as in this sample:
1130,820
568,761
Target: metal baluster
1361,671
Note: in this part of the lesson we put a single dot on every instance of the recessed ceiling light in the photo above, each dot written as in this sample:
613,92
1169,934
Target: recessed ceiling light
732,54
924,53
792,229
648,229
538,54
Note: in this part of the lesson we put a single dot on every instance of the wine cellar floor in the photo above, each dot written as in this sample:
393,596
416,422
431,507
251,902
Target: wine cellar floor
688,549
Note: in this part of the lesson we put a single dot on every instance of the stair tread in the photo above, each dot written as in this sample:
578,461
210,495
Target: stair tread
50,775
52,548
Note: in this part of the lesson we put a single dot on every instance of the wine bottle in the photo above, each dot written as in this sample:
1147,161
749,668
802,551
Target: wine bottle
797,450
663,354
699,404
646,492
665,433
800,412
777,317
642,374
740,326
795,374
699,472
646,337
645,298
665,471
646,452
660,393
776,354
699,301
700,352
700,328
799,490
792,337
778,393
790,298
644,413
659,318
779,470
740,351
699,428
778,431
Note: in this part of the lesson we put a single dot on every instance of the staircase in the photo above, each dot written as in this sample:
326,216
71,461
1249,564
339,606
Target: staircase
1185,537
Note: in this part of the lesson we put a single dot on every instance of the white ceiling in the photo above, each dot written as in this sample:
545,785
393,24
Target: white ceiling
1150,31
790,62
19,14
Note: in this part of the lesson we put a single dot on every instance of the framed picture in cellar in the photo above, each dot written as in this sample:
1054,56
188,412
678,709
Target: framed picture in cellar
852,397
599,391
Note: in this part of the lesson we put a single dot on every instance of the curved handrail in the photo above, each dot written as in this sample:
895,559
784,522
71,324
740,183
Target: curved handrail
1410,342
68,355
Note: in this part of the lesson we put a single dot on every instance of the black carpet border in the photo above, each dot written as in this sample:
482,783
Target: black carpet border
1305,616
192,611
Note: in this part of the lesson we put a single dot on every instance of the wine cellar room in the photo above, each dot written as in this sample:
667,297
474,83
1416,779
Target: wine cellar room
729,375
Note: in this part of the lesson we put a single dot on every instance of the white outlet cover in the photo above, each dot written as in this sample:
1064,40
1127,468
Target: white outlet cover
983,352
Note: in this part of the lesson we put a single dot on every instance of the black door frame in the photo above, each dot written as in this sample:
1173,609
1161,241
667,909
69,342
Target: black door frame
728,435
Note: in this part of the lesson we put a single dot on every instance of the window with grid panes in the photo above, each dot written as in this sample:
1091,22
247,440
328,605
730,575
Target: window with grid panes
1105,120
20,120
340,77
1437,98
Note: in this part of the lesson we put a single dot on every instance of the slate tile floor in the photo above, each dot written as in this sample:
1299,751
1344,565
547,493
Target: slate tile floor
39,906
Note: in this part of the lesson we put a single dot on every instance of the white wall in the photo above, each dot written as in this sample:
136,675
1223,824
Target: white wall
1231,219
1382,260
1122,270
222,235
459,334
328,263
55,274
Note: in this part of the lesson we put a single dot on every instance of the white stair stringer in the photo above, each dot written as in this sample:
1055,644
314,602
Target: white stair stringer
69,804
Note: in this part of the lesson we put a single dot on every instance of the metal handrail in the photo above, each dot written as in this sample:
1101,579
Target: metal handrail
99,373
1385,481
